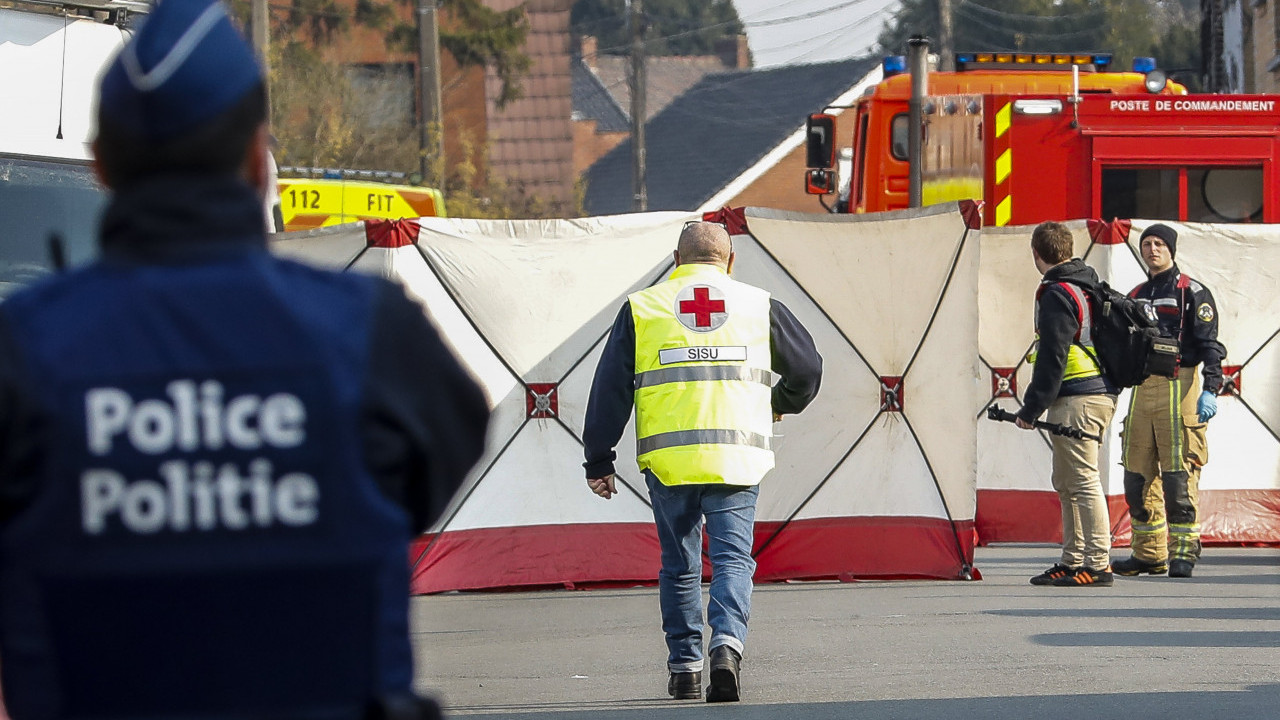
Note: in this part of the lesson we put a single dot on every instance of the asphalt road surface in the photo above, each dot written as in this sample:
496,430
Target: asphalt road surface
1149,647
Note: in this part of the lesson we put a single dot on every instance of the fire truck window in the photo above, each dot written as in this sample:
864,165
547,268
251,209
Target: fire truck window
898,136
1224,194
1148,193
860,171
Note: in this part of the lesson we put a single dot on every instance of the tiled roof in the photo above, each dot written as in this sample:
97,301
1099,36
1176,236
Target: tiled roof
531,138
666,77
716,131
591,101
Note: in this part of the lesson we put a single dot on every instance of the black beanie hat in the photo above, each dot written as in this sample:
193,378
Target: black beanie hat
1165,233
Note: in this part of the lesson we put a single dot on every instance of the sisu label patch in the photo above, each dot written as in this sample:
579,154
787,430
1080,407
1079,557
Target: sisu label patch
703,353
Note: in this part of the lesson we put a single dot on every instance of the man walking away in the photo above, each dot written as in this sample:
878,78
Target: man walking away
696,355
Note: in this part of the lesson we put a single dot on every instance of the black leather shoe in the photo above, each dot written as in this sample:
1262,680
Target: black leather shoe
1180,568
724,675
685,685
1133,566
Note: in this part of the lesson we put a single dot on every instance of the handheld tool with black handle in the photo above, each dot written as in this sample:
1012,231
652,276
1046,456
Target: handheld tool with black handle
996,412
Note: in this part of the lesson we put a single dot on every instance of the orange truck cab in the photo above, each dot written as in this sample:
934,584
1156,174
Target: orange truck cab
1037,137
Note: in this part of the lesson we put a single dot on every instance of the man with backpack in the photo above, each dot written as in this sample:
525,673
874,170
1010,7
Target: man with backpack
1164,432
1068,382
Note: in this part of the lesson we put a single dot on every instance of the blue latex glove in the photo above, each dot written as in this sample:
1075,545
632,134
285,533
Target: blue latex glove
1207,407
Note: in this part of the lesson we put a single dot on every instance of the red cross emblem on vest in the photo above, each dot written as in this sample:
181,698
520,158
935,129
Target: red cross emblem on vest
701,308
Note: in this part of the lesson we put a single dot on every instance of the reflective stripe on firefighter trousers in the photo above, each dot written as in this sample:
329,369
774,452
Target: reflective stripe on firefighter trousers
703,421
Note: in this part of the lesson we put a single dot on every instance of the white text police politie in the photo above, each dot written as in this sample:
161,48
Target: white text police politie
194,494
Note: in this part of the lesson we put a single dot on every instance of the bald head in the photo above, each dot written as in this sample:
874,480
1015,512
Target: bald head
706,243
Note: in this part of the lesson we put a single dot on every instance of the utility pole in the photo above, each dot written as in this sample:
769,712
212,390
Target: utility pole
918,64
259,19
639,189
431,140
946,53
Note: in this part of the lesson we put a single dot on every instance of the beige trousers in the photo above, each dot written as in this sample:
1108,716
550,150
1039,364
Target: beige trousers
1086,524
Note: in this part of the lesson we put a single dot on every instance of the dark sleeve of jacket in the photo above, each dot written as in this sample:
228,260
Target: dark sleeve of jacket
612,396
1058,325
795,358
1201,341
424,419
20,454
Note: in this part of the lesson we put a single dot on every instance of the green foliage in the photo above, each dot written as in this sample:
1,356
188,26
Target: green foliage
1165,29
326,114
477,36
322,119
319,19
372,14
1179,54
675,27
469,195
490,37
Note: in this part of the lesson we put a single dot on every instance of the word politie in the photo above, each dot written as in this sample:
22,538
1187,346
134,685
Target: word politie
195,494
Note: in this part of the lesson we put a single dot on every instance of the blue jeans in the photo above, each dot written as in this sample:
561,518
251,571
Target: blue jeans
730,512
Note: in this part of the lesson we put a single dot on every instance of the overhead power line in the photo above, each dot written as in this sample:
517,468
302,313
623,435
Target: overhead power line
1086,32
1019,17
745,24
838,36
803,16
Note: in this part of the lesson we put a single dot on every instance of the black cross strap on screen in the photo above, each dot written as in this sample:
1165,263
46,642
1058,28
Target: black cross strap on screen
995,412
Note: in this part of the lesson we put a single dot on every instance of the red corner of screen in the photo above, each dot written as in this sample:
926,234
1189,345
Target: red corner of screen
390,233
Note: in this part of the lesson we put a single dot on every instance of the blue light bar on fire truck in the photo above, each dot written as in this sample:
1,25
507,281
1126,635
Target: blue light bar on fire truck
1144,64
1031,61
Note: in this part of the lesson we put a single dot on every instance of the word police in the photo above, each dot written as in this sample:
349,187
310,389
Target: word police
193,493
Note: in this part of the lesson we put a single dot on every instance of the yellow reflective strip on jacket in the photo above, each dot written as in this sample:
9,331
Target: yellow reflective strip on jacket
695,424
1082,357
1080,363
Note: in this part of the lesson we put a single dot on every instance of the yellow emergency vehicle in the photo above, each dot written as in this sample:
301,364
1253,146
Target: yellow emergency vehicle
308,203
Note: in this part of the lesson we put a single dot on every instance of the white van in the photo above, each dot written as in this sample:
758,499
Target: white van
52,55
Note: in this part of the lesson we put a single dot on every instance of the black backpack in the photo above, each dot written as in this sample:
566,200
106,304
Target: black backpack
1126,336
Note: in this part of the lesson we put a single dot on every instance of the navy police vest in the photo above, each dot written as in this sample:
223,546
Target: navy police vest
205,540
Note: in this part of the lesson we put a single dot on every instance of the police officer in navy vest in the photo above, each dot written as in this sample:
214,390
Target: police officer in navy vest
212,460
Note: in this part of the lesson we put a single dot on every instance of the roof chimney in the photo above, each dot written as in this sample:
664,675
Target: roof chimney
734,52
587,47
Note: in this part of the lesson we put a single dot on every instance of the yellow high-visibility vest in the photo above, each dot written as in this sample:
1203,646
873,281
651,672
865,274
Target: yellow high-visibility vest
703,379
1082,361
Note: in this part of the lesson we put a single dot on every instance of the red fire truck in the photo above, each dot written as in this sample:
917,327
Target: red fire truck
1033,141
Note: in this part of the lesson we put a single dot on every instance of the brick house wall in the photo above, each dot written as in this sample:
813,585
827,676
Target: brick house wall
782,187
1265,53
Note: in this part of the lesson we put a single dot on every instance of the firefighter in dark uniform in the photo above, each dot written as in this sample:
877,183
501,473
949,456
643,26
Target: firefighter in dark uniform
212,460
1164,432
